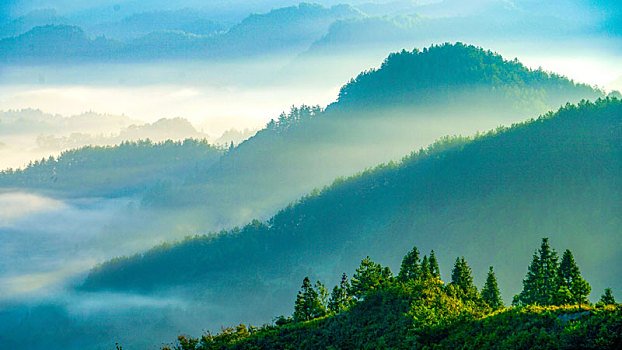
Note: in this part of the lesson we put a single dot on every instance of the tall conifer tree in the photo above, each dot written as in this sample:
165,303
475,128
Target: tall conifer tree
410,269
425,268
490,292
540,285
572,288
369,276
308,304
435,271
607,298
462,279
340,299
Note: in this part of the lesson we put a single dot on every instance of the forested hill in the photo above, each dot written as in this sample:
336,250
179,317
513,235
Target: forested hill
129,168
381,115
440,74
480,197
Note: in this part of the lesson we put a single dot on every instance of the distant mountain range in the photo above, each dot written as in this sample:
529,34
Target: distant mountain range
42,36
185,35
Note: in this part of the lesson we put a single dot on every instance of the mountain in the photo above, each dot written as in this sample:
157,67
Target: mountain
114,171
411,100
140,24
481,197
185,35
54,43
34,121
175,129
293,28
30,20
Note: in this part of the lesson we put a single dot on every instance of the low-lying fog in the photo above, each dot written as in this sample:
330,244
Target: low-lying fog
47,247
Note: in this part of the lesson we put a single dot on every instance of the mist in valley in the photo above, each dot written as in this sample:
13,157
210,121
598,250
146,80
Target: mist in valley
263,89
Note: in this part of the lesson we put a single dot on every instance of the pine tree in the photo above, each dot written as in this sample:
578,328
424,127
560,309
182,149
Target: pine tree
580,289
490,292
322,293
567,269
425,268
572,288
308,304
339,299
369,276
410,269
434,269
540,285
462,279
607,298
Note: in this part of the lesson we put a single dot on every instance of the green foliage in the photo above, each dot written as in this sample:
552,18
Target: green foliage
126,169
462,280
422,314
369,276
490,292
570,282
340,299
425,268
410,269
532,327
309,302
540,286
557,158
435,271
444,72
607,297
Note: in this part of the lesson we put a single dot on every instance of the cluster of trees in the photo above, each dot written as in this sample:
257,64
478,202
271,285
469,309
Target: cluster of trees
295,116
124,169
414,77
427,310
549,282
371,277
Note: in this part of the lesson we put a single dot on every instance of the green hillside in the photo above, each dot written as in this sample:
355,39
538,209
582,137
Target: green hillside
441,74
480,197
127,169
416,310
411,100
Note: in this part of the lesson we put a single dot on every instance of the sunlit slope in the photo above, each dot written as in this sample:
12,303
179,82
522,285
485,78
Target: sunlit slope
488,198
383,114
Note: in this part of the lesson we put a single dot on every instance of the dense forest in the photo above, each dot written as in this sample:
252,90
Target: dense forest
445,73
489,193
124,170
416,310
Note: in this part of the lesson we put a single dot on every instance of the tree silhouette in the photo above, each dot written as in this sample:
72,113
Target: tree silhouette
308,304
462,279
411,268
369,276
490,292
540,285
